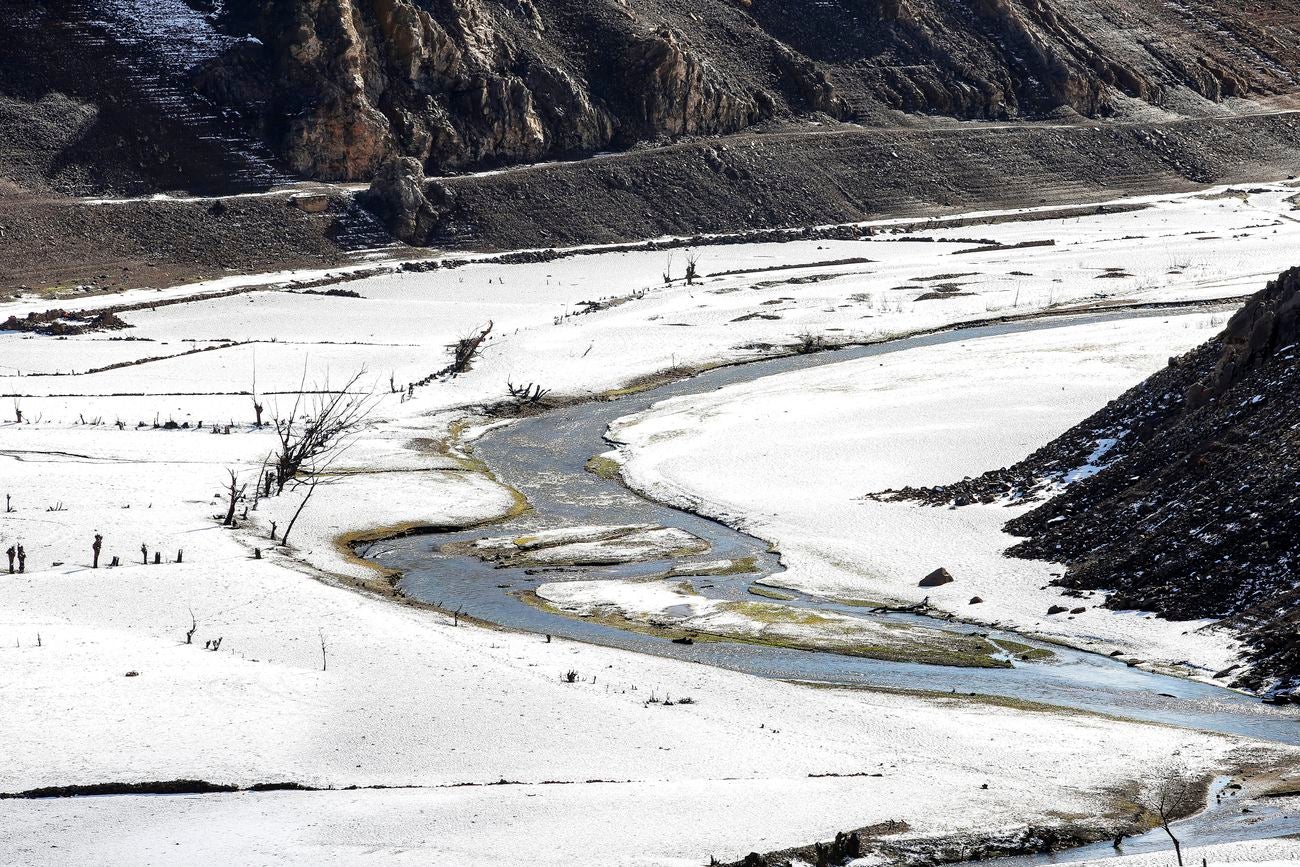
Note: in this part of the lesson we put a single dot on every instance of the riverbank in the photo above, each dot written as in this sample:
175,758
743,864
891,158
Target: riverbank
313,683
728,453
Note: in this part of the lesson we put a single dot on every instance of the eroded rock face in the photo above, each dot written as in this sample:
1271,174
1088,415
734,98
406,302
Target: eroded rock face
343,85
815,90
447,84
1269,322
678,93
397,196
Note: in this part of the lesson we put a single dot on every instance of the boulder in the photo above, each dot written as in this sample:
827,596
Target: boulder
975,600
937,578
310,203
1057,609
399,196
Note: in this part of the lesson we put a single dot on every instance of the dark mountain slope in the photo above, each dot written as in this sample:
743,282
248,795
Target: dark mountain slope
1196,512
96,97
341,85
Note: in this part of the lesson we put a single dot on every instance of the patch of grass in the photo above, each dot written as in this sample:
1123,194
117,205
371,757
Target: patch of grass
736,566
614,620
768,593
956,654
651,380
690,549
518,502
606,468
451,448
1009,702
976,654
767,613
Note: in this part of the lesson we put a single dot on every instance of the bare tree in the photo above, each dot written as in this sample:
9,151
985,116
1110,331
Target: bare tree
262,488
312,434
257,403
668,270
465,350
194,625
527,394
692,267
310,485
807,342
18,410
235,492
322,650
1174,795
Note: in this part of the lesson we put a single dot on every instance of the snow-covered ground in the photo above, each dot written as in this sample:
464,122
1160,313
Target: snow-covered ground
791,457
589,545
274,341
405,698
1261,853
672,605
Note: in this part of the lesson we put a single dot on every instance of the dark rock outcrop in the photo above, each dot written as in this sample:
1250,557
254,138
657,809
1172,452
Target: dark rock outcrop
1193,514
400,198
1253,336
937,578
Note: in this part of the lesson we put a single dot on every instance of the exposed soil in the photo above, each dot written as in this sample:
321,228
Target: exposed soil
95,99
63,243
783,180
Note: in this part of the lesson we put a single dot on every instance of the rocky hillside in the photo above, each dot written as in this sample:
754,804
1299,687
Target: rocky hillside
1193,506
723,115
340,86
788,180
97,97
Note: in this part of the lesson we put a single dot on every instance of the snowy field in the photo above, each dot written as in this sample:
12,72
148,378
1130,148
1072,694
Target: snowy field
320,683
790,458
1262,853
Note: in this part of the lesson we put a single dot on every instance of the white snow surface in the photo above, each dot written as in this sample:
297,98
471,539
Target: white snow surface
790,457
405,698
1261,853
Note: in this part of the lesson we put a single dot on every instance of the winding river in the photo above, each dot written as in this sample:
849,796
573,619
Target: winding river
544,457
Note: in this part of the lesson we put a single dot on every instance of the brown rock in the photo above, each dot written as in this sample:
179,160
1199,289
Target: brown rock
310,203
677,93
398,197
937,578
340,86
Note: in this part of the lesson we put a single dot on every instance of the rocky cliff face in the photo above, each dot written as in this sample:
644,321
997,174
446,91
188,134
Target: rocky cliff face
342,85
463,83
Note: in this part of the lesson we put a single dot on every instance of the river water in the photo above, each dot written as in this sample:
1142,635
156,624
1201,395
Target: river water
544,458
